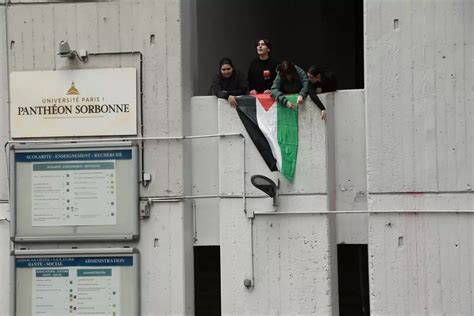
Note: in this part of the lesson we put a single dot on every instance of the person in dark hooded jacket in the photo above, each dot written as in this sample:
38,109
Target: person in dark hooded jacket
321,80
290,79
228,83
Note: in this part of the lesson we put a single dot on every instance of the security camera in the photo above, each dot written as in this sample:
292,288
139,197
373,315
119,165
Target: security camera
65,50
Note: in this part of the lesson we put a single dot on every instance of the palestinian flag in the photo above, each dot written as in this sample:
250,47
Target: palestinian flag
274,130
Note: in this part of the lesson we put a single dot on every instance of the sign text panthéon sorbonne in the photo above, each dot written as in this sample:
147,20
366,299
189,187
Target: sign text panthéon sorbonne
89,102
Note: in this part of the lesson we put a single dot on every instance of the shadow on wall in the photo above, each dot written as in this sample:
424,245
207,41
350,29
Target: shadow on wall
306,31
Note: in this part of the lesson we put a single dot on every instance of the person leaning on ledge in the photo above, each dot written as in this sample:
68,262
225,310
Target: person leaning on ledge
228,82
290,79
321,80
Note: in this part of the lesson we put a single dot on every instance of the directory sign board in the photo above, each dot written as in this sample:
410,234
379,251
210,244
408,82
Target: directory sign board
85,102
77,282
75,193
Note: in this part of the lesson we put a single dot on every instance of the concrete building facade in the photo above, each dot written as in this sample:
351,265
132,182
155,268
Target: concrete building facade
391,168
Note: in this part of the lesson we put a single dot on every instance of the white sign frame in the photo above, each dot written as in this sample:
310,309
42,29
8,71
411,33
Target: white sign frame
126,225
126,258
73,103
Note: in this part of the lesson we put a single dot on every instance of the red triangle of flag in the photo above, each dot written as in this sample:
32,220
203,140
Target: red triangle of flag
265,100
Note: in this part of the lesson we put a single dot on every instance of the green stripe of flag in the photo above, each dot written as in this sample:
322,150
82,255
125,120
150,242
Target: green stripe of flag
288,137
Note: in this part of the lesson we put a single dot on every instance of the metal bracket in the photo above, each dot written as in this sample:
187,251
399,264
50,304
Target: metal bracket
145,207
248,283
276,198
146,179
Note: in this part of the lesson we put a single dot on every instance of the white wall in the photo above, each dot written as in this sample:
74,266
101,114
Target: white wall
273,241
291,263
7,278
166,237
415,153
419,154
4,119
293,256
311,172
421,264
418,93
346,128
4,208
350,165
205,171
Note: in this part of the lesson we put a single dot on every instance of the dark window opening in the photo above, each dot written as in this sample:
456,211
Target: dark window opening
328,33
353,275
207,280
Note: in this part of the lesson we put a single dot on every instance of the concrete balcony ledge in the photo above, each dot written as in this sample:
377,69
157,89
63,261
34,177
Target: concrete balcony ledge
321,145
331,165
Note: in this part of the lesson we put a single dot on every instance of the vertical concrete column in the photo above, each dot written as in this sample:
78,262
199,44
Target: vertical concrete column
204,170
4,206
290,254
350,165
4,113
167,239
420,155
155,28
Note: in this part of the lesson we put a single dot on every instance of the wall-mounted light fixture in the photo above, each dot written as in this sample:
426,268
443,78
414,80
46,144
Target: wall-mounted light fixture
64,50
266,185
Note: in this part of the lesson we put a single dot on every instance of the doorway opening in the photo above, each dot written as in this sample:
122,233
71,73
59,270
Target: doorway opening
353,277
207,280
307,32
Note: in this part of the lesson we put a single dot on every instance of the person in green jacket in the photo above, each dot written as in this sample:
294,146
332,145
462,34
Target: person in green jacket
290,79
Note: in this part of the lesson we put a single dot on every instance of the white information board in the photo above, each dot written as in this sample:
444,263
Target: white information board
77,282
75,193
84,102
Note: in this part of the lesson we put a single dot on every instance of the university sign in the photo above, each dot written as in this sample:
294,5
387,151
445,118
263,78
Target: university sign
62,103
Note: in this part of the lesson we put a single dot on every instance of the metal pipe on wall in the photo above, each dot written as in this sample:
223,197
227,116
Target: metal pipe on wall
9,143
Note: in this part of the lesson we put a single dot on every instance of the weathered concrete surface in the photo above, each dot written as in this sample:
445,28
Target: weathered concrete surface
418,59
350,165
419,74
346,136
293,255
116,27
7,277
421,264
153,28
4,208
427,201
4,119
291,263
205,171
163,248
310,175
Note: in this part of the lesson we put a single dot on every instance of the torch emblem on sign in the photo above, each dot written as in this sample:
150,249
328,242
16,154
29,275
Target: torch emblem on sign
72,90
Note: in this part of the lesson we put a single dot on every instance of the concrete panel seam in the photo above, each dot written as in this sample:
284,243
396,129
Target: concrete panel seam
419,192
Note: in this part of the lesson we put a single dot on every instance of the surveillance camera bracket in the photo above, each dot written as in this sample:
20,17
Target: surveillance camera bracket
276,198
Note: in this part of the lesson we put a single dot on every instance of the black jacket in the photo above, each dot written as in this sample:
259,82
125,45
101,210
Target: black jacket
261,74
224,87
328,83
313,90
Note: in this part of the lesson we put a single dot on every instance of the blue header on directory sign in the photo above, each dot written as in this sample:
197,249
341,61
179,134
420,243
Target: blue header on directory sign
74,262
74,155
